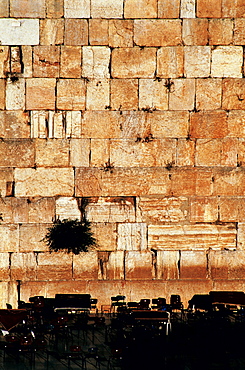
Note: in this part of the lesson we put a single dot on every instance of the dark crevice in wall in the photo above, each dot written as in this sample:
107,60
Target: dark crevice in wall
178,264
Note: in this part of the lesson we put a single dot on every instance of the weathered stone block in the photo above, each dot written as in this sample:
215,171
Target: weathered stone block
52,152
191,182
95,62
239,33
197,61
67,208
191,237
220,31
157,32
46,61
55,8
9,238
23,266
219,264
44,182
148,153
187,9
73,125
193,265
77,8
99,32
98,94
138,265
108,9
105,234
4,10
182,94
121,33
208,124
27,9
170,62
122,182
4,61
161,124
231,209
204,10
241,152
153,94
115,266
167,265
27,60
71,94
109,126
76,32
19,31
51,31
4,266
132,236
40,93
99,152
85,266
6,182
2,93
54,266
124,94
204,209
133,62
233,93
15,94
229,182
240,235
208,93
216,152
168,8
195,31
20,153
31,236
70,66
106,209
185,155
142,10
227,61
233,9
79,152
15,59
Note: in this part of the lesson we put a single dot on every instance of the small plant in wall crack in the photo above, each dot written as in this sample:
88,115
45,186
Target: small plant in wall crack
108,166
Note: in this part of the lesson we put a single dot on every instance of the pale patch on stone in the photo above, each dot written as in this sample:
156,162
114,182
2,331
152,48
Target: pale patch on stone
138,265
108,9
79,152
77,8
227,61
19,31
187,9
197,61
15,94
115,266
98,94
167,265
153,94
132,236
95,61
9,238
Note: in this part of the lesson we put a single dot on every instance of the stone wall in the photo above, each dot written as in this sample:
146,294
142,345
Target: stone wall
135,109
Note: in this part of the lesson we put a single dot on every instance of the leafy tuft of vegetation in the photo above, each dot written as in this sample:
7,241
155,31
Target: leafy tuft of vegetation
70,236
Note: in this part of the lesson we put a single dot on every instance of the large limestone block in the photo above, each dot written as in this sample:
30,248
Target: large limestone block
236,124
220,264
77,8
233,90
182,94
44,182
4,10
99,32
158,210
233,9
67,208
157,32
55,8
208,93
185,155
46,61
227,61
221,31
121,33
105,234
169,124
51,31
98,94
170,62
95,61
4,61
142,10
232,209
124,94
14,124
193,265
209,124
71,94
27,9
195,31
168,8
138,265
31,237
132,236
115,266
204,209
19,31
20,153
122,182
167,265
133,62
54,266
191,237
191,182
229,182
70,62
76,32
99,152
52,152
85,266
9,238
212,11
216,152
79,152
153,94
106,209
15,94
197,61
108,9
40,210
40,93
4,266
23,266
187,9
155,153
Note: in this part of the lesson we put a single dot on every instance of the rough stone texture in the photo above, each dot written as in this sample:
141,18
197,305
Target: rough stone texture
98,94
197,61
23,266
168,9
233,93
185,155
121,33
193,265
208,94
70,63
205,10
187,9
124,94
40,93
161,124
76,32
95,63
105,234
15,95
182,95
132,236
208,124
17,31
115,266
99,32
191,182
138,265
20,153
55,266
52,153
9,241
142,10
204,209
27,9
231,209
51,31
153,94
71,94
79,152
77,8
216,152
110,9
4,263
170,62
85,266
46,61
221,32
4,10
229,182
227,61
4,61
55,8
30,237
167,265
195,31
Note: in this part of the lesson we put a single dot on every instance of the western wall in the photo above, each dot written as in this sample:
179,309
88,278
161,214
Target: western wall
133,113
